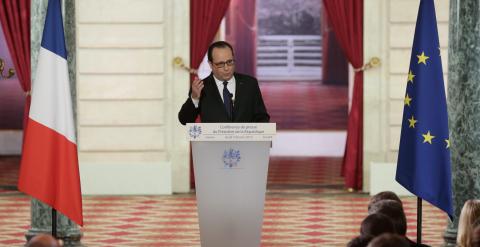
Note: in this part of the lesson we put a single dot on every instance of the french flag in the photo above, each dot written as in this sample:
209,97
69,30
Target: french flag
49,166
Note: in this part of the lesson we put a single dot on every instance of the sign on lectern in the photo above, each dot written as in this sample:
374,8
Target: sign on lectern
230,162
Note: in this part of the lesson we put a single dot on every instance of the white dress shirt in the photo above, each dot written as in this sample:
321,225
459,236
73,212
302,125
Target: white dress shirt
230,86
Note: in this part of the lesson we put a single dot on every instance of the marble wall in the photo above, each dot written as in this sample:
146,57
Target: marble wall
464,95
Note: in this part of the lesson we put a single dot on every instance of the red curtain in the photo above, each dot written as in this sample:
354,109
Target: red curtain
241,32
205,19
334,62
346,18
15,20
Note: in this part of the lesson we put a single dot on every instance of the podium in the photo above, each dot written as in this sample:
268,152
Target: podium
230,161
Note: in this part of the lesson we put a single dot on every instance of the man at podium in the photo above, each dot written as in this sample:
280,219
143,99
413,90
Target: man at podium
224,96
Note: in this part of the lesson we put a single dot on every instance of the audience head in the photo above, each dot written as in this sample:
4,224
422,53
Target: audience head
470,213
376,224
43,240
389,240
384,195
393,210
360,241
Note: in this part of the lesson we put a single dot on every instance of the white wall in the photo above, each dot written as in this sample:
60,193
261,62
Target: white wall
128,95
389,27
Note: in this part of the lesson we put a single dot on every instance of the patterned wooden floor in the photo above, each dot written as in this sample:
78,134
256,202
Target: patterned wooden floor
306,205
290,220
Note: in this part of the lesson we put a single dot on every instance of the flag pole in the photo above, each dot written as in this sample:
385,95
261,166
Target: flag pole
419,220
54,223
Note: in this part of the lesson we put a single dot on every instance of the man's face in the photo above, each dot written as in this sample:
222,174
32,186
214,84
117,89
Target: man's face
222,63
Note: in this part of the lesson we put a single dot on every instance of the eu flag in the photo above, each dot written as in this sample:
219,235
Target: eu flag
423,165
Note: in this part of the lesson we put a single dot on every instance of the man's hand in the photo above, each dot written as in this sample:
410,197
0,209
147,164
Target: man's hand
197,86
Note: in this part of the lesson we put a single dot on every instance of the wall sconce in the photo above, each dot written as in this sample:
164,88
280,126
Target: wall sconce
11,71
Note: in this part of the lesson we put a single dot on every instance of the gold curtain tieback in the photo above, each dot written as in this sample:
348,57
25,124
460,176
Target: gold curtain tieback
373,63
178,61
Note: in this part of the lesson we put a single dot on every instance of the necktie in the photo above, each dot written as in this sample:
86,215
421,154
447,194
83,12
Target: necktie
227,100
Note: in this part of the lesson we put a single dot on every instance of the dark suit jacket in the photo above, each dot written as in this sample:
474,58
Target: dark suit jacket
248,105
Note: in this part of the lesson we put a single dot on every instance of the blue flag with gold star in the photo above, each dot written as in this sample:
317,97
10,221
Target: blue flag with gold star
423,165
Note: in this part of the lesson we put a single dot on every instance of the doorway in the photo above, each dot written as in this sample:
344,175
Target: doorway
12,102
303,75
289,41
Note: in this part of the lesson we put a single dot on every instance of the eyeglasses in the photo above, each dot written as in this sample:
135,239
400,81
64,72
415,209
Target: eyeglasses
223,64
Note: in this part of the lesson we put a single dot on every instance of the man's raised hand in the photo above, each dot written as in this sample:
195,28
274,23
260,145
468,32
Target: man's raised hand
197,86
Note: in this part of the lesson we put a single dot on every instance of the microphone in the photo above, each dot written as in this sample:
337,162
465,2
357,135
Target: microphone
231,104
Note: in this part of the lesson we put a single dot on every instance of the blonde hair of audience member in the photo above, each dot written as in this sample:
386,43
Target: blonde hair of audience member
476,235
470,213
